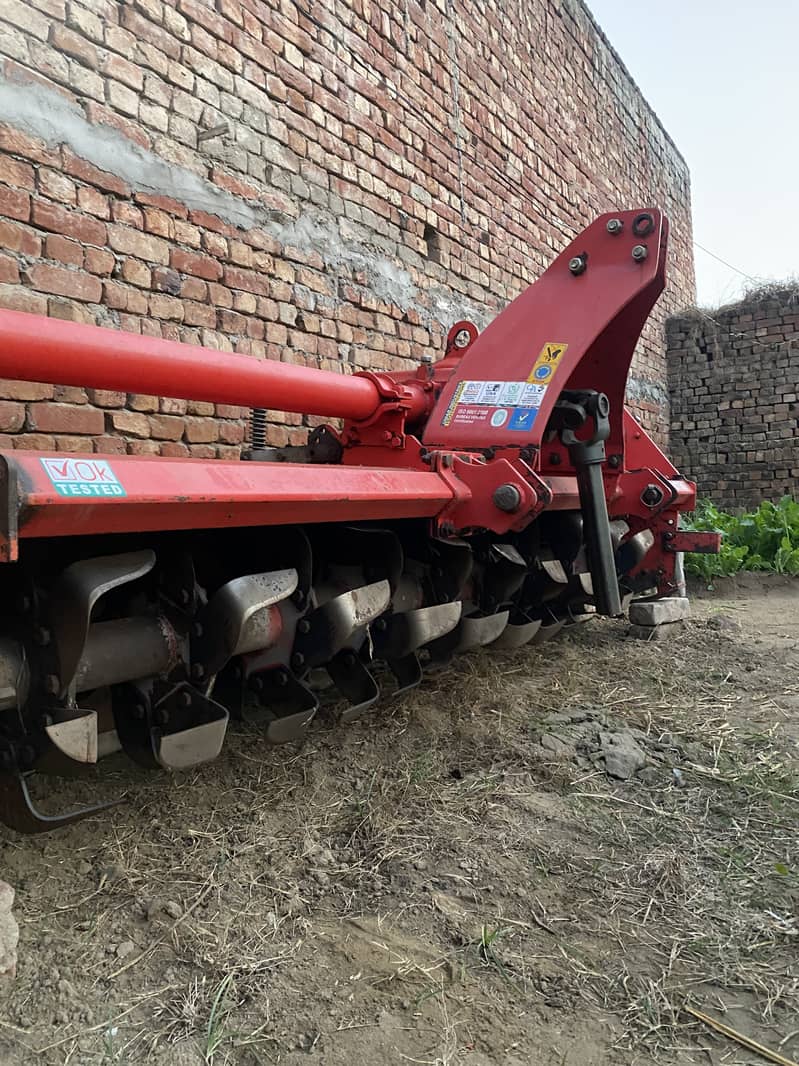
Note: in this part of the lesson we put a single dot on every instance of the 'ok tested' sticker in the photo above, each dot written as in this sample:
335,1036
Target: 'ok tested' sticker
82,477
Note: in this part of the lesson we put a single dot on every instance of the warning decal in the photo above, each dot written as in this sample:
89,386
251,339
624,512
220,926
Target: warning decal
547,363
82,477
513,404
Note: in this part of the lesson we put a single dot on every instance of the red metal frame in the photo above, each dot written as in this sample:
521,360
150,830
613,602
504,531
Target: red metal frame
402,456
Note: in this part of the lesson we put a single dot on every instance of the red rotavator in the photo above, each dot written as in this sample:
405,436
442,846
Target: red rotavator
491,497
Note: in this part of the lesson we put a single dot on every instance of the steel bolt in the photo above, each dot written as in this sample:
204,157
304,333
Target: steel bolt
42,636
298,660
197,629
426,360
652,495
614,226
303,626
184,699
197,672
507,498
577,264
640,253
52,684
281,678
614,461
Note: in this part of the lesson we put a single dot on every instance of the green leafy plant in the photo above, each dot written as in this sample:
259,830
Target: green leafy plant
765,539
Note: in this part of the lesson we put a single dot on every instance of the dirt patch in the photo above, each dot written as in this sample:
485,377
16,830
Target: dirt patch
539,858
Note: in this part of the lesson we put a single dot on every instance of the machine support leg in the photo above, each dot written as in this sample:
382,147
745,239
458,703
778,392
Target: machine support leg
587,457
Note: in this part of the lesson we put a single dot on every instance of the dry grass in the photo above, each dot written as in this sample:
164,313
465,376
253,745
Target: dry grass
423,882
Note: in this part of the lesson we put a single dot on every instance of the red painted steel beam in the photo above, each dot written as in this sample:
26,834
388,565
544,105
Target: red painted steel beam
34,348
85,494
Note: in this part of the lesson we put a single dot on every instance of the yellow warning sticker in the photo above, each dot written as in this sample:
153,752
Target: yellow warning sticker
547,363
453,403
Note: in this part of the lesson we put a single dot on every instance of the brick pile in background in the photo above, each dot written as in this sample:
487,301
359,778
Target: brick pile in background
734,381
453,150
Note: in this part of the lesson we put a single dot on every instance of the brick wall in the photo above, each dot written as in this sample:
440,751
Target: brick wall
734,381
331,184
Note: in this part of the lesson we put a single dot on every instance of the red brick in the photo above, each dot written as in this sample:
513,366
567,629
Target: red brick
88,172
172,406
201,430
64,418
9,270
109,445
25,390
231,432
15,204
163,203
193,289
74,444
19,239
15,142
130,423
99,261
143,447
38,442
12,416
99,115
70,394
236,278
106,398
63,249
56,186
134,271
93,202
234,185
69,312
142,245
57,219
174,450
123,70
141,402
64,282
201,266
72,44
166,427
20,175
202,451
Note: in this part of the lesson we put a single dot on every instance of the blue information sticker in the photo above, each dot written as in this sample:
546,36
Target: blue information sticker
522,418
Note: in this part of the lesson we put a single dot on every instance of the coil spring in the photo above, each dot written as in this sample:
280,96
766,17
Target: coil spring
258,427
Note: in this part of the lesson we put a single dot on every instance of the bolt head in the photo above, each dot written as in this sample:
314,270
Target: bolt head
426,360
577,265
652,495
304,626
640,253
614,226
507,498
52,684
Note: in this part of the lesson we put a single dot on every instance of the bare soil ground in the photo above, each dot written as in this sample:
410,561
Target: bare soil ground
456,880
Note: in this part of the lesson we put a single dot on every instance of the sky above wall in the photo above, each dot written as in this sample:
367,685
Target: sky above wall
723,77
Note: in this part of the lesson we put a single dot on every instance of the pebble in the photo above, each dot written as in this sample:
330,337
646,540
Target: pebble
173,909
127,947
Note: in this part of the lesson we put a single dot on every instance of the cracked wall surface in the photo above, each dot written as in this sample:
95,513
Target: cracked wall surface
331,184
